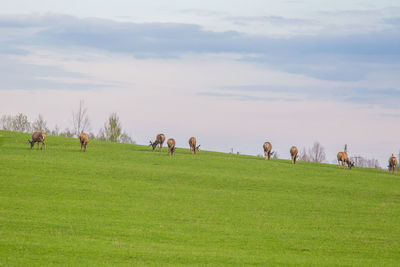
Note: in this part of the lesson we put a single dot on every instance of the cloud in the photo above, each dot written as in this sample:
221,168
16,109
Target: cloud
323,56
203,12
18,75
273,20
383,97
242,97
395,21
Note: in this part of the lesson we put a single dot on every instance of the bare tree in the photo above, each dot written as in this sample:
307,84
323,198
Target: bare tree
317,153
66,133
40,125
55,131
6,122
303,155
112,129
398,167
126,138
366,163
17,123
80,119
21,123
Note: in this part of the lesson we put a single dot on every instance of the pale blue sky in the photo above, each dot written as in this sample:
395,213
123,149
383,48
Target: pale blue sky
292,72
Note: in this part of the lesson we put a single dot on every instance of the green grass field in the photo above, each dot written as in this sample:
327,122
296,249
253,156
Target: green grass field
126,204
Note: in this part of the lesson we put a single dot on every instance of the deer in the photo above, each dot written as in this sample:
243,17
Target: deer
268,150
160,138
343,158
192,145
171,146
392,163
84,139
294,153
38,137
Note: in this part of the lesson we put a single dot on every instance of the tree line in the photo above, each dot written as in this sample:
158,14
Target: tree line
111,131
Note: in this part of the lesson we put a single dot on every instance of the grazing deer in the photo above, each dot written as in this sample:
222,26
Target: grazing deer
343,158
192,144
84,139
171,146
268,150
38,137
392,163
160,138
294,153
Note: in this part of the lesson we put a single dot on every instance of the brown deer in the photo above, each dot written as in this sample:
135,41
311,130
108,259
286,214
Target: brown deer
294,153
392,163
192,144
84,139
171,146
268,150
38,137
160,138
343,158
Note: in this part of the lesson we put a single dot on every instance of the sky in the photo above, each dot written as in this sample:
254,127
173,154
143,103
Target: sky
234,74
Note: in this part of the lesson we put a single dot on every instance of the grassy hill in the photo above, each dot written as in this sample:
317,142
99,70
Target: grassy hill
126,204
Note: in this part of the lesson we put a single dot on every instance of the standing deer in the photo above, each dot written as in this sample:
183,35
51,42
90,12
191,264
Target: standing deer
294,153
160,138
171,146
192,144
343,158
84,139
38,137
268,150
392,163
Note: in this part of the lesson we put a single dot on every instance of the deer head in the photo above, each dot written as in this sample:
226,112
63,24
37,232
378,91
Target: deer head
153,144
31,142
350,164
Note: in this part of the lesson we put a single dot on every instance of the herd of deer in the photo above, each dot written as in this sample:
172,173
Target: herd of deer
160,138
342,157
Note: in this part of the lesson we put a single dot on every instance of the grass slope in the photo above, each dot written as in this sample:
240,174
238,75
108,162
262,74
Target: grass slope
125,204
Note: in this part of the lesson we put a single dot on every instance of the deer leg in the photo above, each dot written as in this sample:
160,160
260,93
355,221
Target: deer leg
85,148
